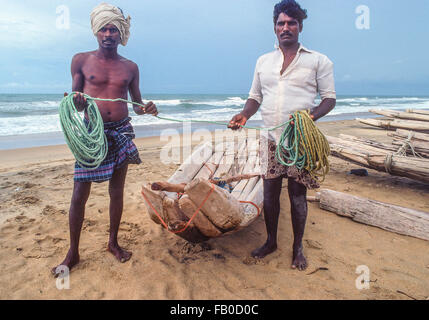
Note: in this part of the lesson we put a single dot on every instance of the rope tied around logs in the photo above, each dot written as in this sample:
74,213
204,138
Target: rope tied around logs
402,151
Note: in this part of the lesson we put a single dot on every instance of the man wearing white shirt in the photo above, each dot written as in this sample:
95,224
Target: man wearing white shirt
286,80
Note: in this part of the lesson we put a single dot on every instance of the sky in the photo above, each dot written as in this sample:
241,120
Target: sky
207,46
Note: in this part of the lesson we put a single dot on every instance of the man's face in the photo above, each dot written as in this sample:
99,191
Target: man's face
287,30
109,37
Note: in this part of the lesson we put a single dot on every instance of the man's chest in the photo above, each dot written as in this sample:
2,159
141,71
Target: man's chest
105,74
300,71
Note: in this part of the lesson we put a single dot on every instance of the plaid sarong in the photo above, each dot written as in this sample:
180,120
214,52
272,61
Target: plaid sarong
121,151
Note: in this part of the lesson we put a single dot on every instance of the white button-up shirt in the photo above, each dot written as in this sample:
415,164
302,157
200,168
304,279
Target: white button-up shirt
280,95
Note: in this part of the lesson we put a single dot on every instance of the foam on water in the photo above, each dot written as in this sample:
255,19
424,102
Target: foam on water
27,114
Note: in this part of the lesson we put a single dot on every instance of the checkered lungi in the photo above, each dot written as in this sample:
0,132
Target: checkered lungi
121,151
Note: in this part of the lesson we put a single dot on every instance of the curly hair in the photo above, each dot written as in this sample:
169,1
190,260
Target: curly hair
291,8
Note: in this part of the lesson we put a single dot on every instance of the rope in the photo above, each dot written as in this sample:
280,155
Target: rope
87,143
302,144
190,220
402,151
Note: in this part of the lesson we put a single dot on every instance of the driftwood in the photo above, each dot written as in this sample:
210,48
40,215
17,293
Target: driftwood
396,123
401,114
379,159
383,215
419,111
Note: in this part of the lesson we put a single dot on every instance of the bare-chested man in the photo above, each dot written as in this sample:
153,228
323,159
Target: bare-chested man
286,80
103,73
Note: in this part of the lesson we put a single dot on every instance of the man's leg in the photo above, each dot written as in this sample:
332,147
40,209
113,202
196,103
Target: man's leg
80,195
116,192
272,190
298,204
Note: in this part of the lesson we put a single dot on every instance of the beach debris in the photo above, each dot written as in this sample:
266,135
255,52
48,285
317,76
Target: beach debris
359,172
380,159
386,216
393,124
406,294
193,204
401,114
318,269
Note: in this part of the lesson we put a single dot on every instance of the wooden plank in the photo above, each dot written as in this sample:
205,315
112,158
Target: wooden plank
383,215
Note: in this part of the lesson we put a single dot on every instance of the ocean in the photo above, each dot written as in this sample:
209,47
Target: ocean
37,114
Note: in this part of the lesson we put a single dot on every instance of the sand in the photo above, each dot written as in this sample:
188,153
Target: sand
35,191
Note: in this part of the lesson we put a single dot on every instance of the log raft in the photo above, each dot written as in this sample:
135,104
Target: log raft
193,205
379,159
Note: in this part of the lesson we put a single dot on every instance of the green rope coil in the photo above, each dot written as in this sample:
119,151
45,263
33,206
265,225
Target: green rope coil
87,143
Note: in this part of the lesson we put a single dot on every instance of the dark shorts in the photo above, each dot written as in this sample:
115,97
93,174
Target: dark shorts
274,169
121,151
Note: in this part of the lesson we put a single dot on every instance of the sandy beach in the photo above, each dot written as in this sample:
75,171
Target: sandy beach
35,191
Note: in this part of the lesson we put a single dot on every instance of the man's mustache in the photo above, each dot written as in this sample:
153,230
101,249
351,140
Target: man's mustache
286,34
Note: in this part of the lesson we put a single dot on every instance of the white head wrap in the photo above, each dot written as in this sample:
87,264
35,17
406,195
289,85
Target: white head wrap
106,13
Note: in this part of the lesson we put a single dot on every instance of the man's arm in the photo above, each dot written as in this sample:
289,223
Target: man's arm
78,81
136,95
326,87
323,108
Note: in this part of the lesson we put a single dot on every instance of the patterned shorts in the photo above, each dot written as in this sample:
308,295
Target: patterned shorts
121,151
273,169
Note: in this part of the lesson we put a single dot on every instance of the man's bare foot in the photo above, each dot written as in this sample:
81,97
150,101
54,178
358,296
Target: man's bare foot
70,261
266,249
119,253
299,262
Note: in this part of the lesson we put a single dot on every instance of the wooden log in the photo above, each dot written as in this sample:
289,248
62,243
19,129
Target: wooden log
419,146
239,162
381,160
190,167
400,133
200,221
209,168
152,200
248,168
227,160
383,215
419,111
167,186
170,213
369,142
250,212
221,208
396,123
401,115
251,184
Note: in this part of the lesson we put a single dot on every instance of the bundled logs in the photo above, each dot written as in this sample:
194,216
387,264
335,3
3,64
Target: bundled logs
213,193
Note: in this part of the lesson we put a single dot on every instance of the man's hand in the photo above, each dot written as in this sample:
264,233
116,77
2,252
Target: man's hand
293,123
150,108
80,101
237,121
